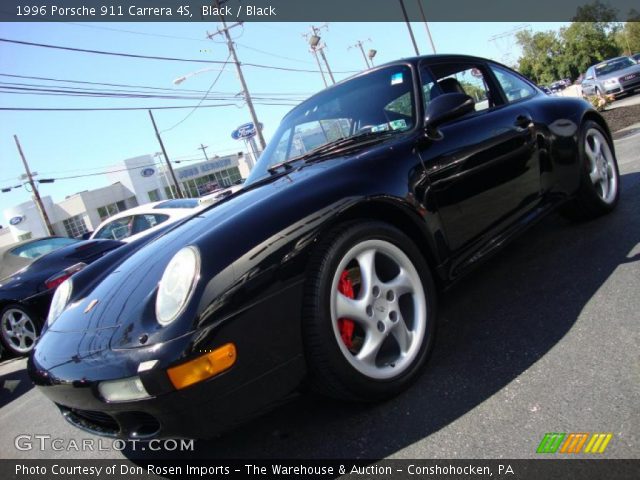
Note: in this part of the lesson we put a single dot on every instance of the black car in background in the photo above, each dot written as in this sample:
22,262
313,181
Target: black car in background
20,255
324,269
26,294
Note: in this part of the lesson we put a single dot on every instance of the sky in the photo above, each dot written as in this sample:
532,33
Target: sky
64,144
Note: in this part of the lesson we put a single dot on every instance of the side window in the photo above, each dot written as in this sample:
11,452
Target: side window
115,230
463,78
145,221
514,87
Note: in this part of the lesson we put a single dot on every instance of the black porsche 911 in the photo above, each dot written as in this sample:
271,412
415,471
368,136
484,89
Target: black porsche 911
36,268
323,270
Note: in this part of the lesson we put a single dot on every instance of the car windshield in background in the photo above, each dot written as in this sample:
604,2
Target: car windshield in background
614,65
378,102
41,247
179,203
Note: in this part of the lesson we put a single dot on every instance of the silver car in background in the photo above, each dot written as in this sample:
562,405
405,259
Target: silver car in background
615,77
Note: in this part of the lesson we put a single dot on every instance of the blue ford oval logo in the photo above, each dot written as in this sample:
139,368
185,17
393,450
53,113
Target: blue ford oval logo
147,172
245,132
16,220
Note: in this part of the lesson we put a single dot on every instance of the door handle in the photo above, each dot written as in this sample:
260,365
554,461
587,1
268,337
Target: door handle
523,121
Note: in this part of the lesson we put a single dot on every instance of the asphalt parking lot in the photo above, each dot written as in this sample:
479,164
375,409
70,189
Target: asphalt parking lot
544,338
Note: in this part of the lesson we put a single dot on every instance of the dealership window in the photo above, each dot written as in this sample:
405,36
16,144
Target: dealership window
171,192
154,195
514,88
24,236
196,187
75,226
111,209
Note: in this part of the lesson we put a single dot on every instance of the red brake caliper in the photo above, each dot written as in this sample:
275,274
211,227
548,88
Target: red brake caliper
345,325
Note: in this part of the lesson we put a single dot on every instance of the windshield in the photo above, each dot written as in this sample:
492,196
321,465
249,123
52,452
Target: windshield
381,101
613,65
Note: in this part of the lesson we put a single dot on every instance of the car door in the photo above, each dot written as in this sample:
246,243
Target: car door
485,170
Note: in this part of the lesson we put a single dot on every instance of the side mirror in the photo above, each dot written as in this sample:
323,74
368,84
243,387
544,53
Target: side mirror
590,77
444,108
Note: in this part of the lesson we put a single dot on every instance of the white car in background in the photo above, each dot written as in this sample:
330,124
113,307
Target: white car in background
217,195
137,222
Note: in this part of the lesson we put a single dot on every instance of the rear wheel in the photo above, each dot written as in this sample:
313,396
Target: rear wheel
369,318
599,183
18,329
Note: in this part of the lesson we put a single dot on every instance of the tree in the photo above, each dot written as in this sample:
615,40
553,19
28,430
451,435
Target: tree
584,44
596,12
539,55
628,37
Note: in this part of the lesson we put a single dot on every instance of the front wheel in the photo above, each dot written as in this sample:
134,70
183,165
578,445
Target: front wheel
369,317
600,179
18,330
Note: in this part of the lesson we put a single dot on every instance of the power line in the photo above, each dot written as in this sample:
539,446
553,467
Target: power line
132,86
273,54
121,94
136,32
153,57
215,80
93,109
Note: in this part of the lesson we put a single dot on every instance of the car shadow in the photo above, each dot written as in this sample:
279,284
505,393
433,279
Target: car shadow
14,385
494,325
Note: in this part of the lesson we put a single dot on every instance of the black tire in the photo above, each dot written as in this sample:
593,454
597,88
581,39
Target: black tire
330,372
588,202
22,344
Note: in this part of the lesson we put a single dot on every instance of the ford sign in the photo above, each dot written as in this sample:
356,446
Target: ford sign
16,220
147,172
245,132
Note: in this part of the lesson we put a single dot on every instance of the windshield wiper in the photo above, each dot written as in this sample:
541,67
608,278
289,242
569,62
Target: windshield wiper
331,147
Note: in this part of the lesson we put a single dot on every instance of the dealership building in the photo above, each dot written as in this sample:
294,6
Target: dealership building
133,182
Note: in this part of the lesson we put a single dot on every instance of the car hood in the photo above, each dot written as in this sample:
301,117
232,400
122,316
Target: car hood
124,301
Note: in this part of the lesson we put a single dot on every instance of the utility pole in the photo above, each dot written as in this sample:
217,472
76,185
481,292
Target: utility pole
247,97
166,158
36,194
204,150
406,20
315,55
358,44
426,25
314,42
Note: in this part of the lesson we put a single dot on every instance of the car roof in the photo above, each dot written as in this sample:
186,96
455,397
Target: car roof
609,60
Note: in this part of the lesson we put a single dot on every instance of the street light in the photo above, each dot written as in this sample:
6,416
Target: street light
372,53
314,40
181,79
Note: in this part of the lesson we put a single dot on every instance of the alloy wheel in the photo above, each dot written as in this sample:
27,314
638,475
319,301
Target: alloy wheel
601,165
18,330
378,309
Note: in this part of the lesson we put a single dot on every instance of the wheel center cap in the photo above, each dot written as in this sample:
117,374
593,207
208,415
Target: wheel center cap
380,308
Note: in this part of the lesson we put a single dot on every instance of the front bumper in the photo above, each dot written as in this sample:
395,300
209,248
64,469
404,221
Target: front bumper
623,87
68,366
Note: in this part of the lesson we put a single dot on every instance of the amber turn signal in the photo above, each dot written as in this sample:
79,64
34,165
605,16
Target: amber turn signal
203,367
